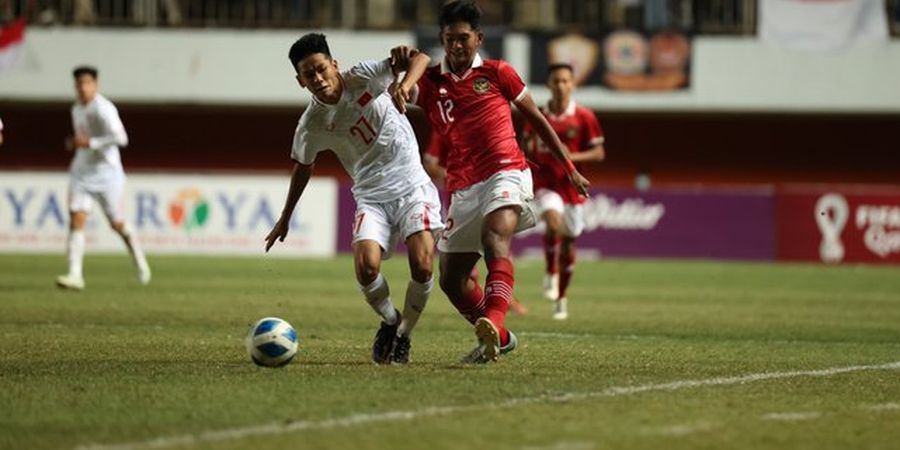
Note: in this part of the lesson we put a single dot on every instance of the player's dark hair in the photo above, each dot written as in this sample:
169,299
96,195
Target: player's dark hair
556,66
307,45
460,11
84,70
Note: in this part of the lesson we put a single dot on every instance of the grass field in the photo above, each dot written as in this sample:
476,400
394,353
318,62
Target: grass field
655,355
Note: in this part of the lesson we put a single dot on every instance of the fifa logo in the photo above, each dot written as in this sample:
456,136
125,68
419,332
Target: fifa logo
831,217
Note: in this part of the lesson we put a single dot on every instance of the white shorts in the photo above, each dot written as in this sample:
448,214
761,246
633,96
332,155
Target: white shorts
109,196
388,222
572,214
469,206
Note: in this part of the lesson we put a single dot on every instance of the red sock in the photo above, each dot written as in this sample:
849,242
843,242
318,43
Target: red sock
499,292
551,253
567,261
471,304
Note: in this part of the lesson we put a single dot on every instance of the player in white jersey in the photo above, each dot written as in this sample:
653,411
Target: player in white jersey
96,175
353,114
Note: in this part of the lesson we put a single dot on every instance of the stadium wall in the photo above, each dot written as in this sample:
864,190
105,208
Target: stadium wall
250,67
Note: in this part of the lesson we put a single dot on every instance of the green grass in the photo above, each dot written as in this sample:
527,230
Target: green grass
120,363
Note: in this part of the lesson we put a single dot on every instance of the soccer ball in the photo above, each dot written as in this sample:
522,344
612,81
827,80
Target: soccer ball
272,342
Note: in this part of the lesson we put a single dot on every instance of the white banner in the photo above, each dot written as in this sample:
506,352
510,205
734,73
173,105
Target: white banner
823,24
192,214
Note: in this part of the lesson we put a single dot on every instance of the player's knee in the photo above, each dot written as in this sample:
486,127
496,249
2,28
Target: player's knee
367,270
77,221
420,267
495,246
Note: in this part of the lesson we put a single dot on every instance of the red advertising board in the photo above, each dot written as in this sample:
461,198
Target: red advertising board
838,224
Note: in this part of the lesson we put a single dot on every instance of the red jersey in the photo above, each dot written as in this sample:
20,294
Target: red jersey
437,148
579,130
471,114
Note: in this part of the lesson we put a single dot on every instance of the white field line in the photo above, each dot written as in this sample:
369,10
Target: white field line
884,407
360,419
792,416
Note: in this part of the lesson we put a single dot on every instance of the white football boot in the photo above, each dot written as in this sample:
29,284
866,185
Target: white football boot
551,287
70,282
560,311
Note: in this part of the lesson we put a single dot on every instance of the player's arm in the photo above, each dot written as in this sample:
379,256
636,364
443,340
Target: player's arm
543,129
414,63
592,149
433,168
595,153
299,179
113,132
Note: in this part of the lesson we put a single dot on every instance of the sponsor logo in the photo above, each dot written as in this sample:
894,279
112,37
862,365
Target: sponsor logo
879,224
629,214
189,210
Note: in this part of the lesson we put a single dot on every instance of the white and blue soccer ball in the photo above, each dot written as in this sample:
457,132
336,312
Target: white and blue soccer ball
272,342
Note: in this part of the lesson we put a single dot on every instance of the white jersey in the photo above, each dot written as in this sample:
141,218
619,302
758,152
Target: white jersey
100,164
374,142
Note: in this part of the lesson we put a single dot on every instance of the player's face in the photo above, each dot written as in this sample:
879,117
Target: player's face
319,73
561,83
85,88
461,44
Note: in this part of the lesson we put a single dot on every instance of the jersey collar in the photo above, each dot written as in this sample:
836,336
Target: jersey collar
570,110
445,68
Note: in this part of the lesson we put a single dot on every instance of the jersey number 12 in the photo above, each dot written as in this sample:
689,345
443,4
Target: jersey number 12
445,106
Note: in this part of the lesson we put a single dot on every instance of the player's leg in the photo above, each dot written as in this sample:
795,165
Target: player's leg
371,238
499,227
550,207
111,202
573,225
463,291
420,221
508,205
460,244
80,203
567,261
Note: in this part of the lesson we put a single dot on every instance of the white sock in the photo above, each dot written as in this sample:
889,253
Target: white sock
416,298
137,254
76,252
378,295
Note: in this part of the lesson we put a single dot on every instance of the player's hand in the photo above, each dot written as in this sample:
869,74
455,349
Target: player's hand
400,57
400,95
81,141
279,232
580,182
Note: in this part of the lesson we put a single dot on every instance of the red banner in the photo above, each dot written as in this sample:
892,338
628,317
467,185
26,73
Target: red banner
838,225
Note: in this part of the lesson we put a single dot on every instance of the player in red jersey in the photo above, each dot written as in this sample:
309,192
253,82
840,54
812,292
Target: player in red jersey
435,162
467,101
559,203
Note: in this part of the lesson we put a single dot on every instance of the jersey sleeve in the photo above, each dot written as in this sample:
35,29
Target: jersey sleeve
592,133
307,144
511,85
378,74
113,129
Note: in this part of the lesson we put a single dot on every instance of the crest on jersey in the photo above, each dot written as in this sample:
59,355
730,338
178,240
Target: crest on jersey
481,85
571,132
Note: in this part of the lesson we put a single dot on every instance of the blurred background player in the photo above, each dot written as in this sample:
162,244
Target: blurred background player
435,162
466,100
353,115
96,174
559,203
1,131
